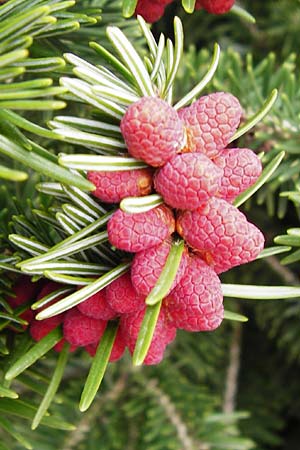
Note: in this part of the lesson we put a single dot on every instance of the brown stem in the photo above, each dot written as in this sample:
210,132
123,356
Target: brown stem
88,420
286,274
231,384
174,417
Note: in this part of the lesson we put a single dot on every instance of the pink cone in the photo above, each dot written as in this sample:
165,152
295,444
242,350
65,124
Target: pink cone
112,187
210,122
216,6
97,307
136,232
122,297
241,168
147,266
152,130
196,303
164,334
81,330
221,234
188,180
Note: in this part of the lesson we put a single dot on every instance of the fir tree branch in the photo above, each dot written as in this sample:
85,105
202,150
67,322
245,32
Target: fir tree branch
86,423
284,272
173,415
231,384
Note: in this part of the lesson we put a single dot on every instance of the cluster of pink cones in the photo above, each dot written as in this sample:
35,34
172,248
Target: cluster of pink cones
198,177
83,326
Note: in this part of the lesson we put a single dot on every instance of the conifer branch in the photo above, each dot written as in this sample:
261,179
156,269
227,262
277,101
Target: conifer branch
231,383
174,417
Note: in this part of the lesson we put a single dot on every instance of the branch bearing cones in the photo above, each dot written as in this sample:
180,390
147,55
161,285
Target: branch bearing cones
198,178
